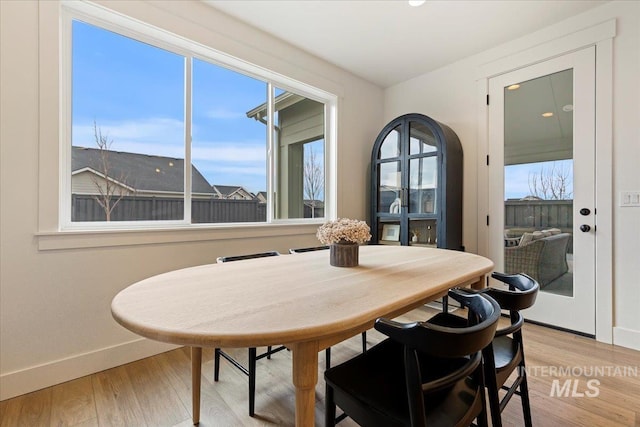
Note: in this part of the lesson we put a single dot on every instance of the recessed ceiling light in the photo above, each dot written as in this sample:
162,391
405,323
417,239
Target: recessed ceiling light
567,108
547,114
513,87
416,3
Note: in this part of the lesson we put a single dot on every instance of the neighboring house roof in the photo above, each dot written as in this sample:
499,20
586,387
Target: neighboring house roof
261,196
141,172
281,102
530,198
228,191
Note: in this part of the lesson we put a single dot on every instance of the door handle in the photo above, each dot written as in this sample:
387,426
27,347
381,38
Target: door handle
585,228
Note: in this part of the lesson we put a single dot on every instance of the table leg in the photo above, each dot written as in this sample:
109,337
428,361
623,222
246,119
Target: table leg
480,284
196,376
305,378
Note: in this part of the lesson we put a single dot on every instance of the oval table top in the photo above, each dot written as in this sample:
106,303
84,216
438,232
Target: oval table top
289,298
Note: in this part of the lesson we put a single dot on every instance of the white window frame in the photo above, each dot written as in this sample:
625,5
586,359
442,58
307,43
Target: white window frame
146,33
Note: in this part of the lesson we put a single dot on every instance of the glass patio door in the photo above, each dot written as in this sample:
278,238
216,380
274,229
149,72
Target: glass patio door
542,136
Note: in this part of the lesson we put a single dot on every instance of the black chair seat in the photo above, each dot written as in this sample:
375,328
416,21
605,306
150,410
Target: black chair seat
356,384
450,320
506,353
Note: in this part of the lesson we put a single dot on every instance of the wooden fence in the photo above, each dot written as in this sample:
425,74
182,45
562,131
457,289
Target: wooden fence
86,208
539,214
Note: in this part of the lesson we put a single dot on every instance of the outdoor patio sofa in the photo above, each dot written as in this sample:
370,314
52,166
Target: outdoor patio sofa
542,255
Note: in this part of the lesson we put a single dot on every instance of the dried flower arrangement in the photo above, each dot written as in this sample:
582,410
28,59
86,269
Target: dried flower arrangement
344,230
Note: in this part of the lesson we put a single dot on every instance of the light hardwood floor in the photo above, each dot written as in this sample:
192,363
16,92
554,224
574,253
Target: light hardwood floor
156,392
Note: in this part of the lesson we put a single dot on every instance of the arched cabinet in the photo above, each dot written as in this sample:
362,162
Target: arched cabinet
416,184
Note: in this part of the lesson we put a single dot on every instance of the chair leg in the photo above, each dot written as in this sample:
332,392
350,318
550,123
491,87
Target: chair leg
481,420
364,342
269,352
491,383
252,381
524,386
327,358
329,408
494,403
216,364
445,304
524,396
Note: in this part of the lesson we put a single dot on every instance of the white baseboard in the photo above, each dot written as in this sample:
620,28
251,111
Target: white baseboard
626,338
34,378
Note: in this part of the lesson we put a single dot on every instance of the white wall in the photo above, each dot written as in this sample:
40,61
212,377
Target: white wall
55,320
451,95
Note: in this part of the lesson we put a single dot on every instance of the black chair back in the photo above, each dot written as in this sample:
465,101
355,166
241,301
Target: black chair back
248,256
250,371
449,342
522,292
309,249
444,342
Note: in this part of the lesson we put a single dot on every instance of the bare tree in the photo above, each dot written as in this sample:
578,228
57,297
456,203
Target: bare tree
110,188
553,183
313,184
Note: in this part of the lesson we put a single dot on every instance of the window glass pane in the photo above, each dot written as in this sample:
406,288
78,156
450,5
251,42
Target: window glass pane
129,112
299,142
538,178
423,181
229,146
127,129
421,139
423,232
390,147
389,189
313,176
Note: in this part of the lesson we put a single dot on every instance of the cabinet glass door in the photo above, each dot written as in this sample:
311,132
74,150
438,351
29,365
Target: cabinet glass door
421,139
390,147
423,169
423,177
390,187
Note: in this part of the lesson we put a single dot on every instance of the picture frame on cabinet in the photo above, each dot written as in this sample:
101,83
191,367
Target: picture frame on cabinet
391,232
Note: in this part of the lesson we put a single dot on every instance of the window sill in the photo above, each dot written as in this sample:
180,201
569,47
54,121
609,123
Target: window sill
81,239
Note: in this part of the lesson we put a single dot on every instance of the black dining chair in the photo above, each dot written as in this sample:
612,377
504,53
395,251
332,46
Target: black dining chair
250,370
422,375
506,353
328,350
309,249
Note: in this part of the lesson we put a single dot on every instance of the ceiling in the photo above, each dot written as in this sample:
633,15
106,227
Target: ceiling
529,136
388,42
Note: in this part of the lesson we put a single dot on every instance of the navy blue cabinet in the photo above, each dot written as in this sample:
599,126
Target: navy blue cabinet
416,184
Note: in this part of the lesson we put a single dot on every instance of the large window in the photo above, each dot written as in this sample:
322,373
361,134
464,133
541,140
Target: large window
163,130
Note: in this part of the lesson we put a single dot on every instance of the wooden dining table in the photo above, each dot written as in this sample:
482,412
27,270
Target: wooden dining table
298,300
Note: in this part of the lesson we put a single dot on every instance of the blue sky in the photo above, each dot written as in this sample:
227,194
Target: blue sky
516,177
135,94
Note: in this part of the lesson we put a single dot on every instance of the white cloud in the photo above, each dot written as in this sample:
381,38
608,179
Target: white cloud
164,137
153,135
223,113
229,151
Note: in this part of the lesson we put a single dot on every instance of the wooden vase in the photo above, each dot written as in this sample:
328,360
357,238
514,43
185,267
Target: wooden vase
344,254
